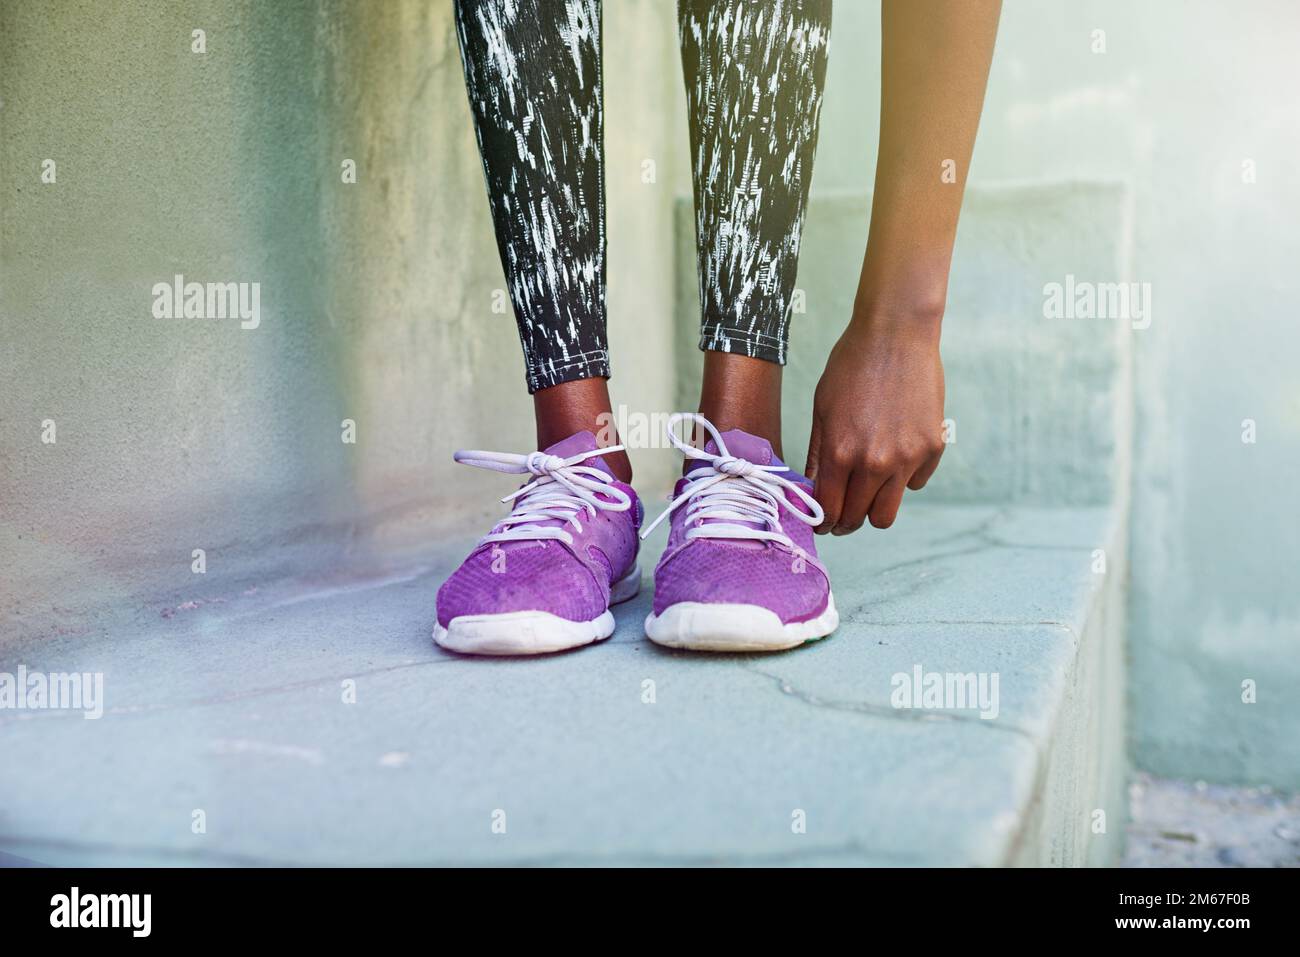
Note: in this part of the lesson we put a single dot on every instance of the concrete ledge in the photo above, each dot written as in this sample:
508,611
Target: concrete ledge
231,702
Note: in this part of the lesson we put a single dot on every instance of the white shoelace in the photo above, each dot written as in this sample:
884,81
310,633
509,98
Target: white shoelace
563,490
733,490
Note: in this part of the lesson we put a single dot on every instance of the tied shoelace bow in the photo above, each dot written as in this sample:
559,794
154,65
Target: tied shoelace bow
563,490
731,491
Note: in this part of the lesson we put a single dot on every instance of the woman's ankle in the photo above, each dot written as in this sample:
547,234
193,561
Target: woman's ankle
741,392
579,406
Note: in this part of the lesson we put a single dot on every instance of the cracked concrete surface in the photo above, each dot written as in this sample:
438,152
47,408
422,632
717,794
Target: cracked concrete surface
236,708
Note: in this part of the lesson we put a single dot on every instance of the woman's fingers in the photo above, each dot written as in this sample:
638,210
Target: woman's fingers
832,479
884,507
864,479
861,490
829,491
814,449
922,474
870,486
829,478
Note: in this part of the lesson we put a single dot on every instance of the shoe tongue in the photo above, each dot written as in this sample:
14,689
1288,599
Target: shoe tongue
576,444
742,445
752,448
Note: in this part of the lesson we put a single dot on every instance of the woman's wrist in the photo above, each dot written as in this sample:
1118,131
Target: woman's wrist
902,292
900,315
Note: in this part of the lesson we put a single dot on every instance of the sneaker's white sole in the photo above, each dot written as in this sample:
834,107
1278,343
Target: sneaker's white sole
702,626
532,632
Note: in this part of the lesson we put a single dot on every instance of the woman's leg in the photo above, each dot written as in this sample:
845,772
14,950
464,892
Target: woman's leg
754,72
533,74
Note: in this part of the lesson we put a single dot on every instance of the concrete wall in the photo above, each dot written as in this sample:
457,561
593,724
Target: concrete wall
1183,95
376,297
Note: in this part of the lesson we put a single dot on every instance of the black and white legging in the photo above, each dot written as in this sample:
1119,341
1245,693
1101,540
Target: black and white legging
754,72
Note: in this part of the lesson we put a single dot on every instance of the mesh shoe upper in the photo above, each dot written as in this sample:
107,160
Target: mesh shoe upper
784,578
568,579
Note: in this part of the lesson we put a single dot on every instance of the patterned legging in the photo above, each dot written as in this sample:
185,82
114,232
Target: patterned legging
754,72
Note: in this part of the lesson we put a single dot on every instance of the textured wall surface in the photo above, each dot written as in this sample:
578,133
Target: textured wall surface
376,296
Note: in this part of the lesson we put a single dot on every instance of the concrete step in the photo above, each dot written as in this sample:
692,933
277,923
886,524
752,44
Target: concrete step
230,702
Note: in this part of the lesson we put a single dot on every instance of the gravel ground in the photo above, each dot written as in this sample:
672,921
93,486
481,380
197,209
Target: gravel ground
1195,824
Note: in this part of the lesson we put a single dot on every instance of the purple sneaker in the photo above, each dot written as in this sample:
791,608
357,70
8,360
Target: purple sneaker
544,578
740,572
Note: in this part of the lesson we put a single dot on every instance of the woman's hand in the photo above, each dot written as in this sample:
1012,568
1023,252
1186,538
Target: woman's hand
877,421
878,414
